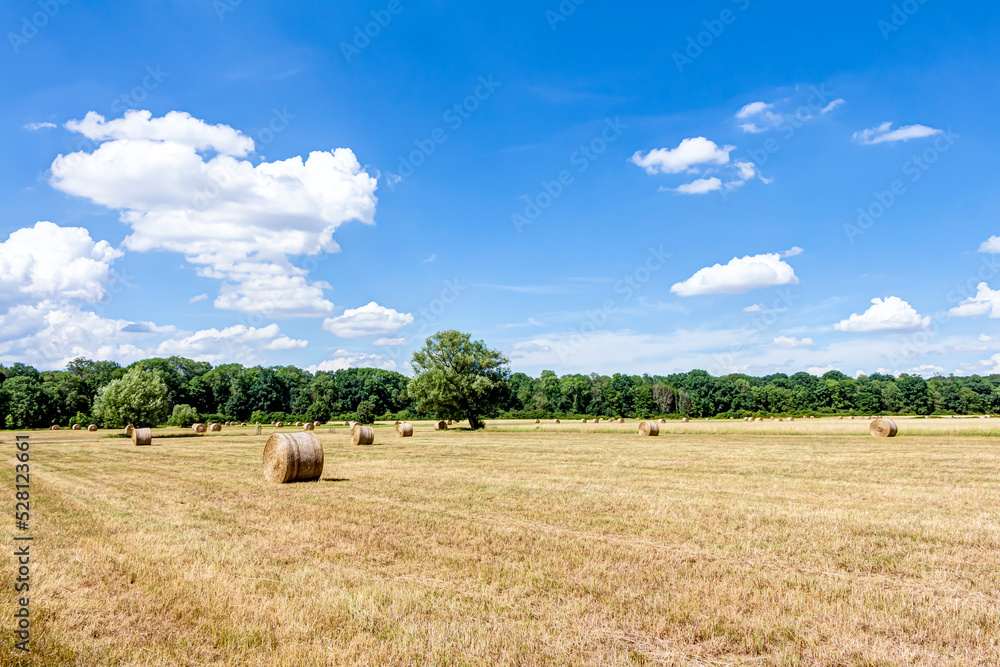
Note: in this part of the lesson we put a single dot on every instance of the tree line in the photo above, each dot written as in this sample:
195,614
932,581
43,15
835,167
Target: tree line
180,391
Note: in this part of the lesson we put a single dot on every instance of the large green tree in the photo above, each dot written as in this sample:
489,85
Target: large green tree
140,397
457,377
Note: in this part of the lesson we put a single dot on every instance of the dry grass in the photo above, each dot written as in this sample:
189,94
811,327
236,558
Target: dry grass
557,545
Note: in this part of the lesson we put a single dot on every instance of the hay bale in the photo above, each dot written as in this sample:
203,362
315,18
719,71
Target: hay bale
440,426
883,428
142,437
298,423
309,427
77,427
215,427
293,457
55,427
129,429
243,423
597,421
362,435
404,430
199,428
791,419
759,419
685,420
538,421
397,423
556,421
649,428
450,422
621,421
279,424
347,423
583,421
92,427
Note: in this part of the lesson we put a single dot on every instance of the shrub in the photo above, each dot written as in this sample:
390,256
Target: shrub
183,416
365,414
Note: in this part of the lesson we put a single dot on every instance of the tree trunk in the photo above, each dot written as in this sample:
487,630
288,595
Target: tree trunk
474,422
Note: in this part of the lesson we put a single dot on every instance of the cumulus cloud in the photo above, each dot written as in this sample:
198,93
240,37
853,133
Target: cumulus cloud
236,221
388,342
985,302
990,245
235,343
889,314
688,155
884,133
369,320
790,342
764,116
52,262
343,359
753,109
754,308
740,275
699,187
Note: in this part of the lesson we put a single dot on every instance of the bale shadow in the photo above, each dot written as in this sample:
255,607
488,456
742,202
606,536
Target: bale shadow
335,479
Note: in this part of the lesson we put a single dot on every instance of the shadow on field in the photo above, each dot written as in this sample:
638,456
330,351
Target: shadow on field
335,479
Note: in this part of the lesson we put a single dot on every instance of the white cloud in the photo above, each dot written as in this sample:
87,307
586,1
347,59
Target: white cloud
986,302
820,371
990,245
753,109
370,320
386,342
699,187
176,127
689,154
196,299
236,221
739,275
345,359
431,258
52,262
38,126
832,105
755,308
235,343
790,342
884,133
890,314
983,338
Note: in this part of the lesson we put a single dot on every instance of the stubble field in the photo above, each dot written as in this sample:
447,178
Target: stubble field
794,543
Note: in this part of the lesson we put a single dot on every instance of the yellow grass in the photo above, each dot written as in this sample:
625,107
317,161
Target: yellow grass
802,543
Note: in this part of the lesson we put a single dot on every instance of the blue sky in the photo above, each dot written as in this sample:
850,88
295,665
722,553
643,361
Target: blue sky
723,185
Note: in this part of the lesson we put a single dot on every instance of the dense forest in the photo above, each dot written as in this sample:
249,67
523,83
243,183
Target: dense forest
191,390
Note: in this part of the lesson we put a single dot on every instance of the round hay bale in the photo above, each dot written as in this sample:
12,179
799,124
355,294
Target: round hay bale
293,457
129,429
538,421
347,423
243,423
851,417
440,426
685,420
215,427
583,421
298,423
142,437
621,421
92,427
199,428
55,427
279,424
450,422
649,428
556,421
883,428
791,419
597,421
404,430
362,435
77,427
309,427
759,419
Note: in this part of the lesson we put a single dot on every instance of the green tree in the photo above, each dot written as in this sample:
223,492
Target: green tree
140,397
458,377
27,404
183,416
365,414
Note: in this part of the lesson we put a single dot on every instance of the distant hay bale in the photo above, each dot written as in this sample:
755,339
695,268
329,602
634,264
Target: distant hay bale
450,422
199,428
851,417
404,430
92,427
397,423
440,426
293,457
685,420
621,421
538,421
791,419
215,427
583,421
347,423
142,437
662,420
556,421
309,427
597,421
55,427
298,423
759,419
883,428
649,428
279,424
243,423
77,427
362,435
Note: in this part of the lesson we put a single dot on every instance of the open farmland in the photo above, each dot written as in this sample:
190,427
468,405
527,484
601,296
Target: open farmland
721,542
